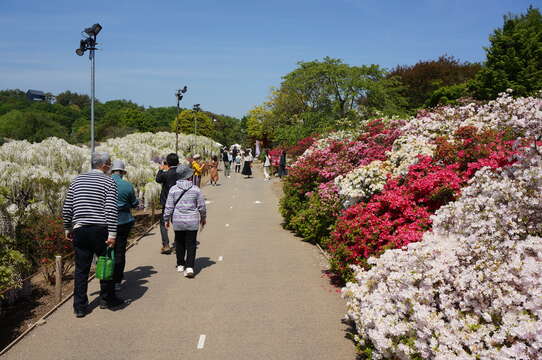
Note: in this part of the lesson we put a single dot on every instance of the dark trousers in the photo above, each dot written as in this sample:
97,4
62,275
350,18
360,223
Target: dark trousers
237,168
186,245
123,231
163,230
87,242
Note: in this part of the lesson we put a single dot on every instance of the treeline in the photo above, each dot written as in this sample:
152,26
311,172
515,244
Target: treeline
326,95
67,116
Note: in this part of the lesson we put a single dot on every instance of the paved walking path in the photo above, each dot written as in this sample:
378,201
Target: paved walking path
258,294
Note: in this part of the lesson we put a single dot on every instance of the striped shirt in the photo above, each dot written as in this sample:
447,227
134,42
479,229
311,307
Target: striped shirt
190,210
92,200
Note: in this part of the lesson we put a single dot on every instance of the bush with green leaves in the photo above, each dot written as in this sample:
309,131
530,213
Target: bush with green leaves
13,265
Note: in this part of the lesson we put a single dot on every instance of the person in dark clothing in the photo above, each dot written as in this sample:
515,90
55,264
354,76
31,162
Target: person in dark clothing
282,164
167,176
90,217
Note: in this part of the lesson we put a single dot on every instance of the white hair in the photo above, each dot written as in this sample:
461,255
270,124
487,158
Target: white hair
99,159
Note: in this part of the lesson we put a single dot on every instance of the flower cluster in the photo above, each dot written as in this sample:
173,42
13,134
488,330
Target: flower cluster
467,181
405,152
363,182
472,288
34,177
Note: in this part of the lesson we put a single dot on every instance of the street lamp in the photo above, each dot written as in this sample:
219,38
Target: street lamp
197,109
179,94
89,43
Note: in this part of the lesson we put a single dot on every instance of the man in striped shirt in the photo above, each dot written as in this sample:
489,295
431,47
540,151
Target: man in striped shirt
90,220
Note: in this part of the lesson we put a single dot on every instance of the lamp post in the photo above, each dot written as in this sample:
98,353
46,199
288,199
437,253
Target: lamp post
89,43
179,94
196,109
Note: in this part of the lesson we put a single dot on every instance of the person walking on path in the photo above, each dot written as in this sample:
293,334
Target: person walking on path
226,158
235,152
126,201
185,208
247,165
198,170
238,163
214,170
90,217
167,176
266,165
282,164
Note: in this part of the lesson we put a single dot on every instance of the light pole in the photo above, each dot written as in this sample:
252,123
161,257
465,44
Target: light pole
179,94
196,108
89,43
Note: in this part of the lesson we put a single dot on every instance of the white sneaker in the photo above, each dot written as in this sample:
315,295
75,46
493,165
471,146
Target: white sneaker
189,273
180,268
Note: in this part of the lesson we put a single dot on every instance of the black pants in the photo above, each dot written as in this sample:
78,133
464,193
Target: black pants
186,245
123,231
89,240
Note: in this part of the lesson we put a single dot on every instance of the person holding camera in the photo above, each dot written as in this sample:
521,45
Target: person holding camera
167,176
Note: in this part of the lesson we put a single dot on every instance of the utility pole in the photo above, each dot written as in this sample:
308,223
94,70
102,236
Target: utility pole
179,94
89,43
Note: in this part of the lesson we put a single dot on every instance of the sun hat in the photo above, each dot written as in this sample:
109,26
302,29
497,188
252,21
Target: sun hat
118,165
197,156
185,171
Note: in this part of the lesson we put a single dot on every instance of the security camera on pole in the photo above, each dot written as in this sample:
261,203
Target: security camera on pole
89,43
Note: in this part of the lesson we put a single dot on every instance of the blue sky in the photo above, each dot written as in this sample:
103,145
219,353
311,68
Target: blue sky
228,53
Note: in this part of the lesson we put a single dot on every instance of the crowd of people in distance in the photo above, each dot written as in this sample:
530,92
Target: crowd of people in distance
97,214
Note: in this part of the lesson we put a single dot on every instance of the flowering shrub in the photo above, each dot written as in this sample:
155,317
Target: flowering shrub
301,146
44,239
401,213
315,220
467,181
394,218
321,165
471,289
406,151
364,181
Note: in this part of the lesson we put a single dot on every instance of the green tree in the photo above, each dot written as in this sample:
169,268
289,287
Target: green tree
318,95
31,126
67,98
187,118
423,78
514,58
227,129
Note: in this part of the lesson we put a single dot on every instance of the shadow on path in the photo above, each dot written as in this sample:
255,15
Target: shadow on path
202,263
133,288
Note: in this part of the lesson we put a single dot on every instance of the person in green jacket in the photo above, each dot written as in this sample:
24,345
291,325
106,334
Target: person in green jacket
126,201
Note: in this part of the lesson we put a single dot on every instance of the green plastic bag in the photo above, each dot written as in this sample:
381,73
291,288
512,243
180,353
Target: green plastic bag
105,265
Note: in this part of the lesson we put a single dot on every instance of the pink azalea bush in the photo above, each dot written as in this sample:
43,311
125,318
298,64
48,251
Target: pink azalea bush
472,289
444,254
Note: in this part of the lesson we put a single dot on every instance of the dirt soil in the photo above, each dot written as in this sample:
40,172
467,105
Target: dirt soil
26,311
